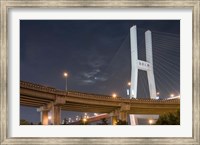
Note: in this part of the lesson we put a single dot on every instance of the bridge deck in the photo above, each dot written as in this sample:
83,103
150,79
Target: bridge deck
36,95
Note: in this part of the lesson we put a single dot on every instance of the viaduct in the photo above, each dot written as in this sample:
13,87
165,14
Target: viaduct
50,99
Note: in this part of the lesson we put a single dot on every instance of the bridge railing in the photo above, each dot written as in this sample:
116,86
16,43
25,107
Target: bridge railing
52,90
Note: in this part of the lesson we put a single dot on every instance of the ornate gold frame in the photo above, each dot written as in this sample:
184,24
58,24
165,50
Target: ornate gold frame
5,5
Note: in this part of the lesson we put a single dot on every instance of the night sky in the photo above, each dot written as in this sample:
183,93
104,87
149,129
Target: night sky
96,55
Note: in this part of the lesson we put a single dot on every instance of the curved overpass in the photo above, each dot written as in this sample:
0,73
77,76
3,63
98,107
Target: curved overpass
48,98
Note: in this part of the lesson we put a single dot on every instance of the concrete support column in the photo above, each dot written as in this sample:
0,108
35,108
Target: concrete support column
43,114
133,119
44,117
123,112
50,114
114,117
56,115
56,110
53,109
123,116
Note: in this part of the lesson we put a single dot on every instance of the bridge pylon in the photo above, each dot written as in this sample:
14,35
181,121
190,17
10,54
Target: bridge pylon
137,64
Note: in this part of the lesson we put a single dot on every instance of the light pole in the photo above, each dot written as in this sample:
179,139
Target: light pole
66,75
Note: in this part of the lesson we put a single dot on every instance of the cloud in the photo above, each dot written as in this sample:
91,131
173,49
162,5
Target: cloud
88,78
101,79
88,81
96,61
93,80
91,74
85,82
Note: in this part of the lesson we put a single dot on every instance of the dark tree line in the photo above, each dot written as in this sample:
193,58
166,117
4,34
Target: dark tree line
169,119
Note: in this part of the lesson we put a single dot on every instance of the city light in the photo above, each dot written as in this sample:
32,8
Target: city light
129,89
150,121
114,95
84,120
172,95
65,74
158,93
77,118
49,117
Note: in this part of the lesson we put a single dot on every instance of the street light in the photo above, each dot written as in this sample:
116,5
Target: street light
66,75
150,121
129,83
172,95
84,120
114,95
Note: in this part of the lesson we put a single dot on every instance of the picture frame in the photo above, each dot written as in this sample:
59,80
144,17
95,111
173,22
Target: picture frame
8,4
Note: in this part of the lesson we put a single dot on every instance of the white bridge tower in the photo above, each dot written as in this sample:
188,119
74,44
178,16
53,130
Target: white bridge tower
142,65
147,66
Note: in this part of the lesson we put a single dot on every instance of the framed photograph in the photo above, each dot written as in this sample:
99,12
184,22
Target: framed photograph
100,72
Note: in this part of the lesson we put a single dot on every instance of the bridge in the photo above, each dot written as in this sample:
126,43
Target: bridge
50,99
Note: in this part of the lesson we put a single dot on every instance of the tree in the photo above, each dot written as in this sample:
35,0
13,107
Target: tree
40,123
169,119
24,122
